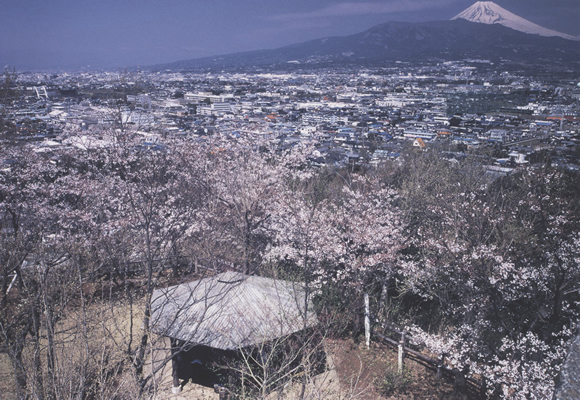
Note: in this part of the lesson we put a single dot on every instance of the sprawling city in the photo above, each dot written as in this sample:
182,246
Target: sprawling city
393,214
358,118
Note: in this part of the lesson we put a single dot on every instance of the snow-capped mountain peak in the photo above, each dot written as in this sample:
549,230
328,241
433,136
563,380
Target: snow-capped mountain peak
487,12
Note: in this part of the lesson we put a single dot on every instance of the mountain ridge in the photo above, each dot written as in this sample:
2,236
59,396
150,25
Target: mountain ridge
450,40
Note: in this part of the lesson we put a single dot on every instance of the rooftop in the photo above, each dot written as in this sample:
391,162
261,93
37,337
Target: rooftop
230,310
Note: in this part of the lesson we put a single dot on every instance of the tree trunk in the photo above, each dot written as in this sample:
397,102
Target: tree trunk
174,364
139,362
38,387
384,297
4,301
16,360
175,263
50,355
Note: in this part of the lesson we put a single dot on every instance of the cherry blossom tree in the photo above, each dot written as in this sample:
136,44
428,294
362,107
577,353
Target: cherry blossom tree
244,178
45,219
497,269
342,233
153,197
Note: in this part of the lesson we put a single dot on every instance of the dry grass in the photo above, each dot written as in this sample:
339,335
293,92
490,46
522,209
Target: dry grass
358,370
89,352
7,388
368,368
354,373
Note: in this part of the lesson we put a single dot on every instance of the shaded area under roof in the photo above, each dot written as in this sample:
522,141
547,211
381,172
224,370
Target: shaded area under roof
230,310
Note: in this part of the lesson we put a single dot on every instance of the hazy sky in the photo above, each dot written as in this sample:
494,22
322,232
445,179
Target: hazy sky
121,33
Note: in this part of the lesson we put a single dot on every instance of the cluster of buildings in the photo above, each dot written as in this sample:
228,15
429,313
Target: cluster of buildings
359,117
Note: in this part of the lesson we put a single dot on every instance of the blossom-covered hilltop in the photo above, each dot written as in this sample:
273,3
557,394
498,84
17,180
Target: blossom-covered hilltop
487,12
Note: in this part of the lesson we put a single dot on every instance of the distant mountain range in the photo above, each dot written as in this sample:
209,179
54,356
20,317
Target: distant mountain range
483,31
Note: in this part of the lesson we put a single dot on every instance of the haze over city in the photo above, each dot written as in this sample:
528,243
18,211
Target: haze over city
70,35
